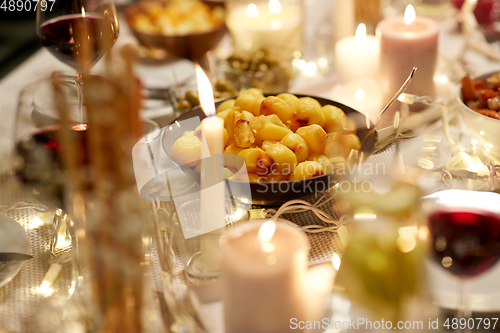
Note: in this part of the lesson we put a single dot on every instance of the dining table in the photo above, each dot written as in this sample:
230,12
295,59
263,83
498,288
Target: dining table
20,299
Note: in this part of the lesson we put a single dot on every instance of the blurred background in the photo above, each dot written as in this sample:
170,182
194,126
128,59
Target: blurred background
17,39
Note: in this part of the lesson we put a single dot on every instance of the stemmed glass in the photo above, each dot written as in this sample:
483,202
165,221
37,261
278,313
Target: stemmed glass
78,33
464,230
38,158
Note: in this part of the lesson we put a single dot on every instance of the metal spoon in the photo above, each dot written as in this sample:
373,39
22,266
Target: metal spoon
393,99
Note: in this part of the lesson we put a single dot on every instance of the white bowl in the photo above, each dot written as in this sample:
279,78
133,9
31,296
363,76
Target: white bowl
484,129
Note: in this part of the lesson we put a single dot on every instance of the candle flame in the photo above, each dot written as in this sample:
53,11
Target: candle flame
410,15
361,33
360,95
266,233
252,10
205,91
83,12
336,261
274,6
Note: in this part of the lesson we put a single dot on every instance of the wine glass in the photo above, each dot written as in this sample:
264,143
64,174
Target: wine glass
57,29
464,233
38,161
78,33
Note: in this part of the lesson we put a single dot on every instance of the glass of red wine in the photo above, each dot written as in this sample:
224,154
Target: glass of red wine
464,232
38,160
71,29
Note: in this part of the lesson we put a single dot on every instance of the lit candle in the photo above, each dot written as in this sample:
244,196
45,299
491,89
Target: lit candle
266,24
407,42
264,271
212,200
364,96
357,57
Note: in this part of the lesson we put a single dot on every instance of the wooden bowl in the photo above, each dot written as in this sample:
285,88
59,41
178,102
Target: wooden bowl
272,193
192,46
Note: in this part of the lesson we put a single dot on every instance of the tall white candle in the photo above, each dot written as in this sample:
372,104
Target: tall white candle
213,187
275,24
357,57
264,277
407,42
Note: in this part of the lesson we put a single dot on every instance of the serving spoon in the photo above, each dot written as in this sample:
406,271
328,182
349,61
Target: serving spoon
391,102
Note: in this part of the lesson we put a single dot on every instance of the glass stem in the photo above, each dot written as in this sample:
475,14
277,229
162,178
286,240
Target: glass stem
465,309
77,260
79,94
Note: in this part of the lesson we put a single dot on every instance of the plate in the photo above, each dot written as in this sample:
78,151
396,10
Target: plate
13,238
277,193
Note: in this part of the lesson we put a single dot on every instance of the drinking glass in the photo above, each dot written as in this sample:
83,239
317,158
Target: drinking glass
78,33
464,237
38,158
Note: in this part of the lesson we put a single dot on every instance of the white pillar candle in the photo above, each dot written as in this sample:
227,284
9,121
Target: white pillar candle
407,42
212,196
364,96
263,280
276,25
357,57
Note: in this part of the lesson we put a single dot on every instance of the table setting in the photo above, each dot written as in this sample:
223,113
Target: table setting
253,166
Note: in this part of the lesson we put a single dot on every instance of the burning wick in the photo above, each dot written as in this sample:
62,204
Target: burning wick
410,16
361,34
266,233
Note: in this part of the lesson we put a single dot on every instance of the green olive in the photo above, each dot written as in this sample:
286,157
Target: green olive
183,105
192,97
223,85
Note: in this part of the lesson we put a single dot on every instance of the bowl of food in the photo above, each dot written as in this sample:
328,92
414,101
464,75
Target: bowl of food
186,28
479,105
261,70
293,146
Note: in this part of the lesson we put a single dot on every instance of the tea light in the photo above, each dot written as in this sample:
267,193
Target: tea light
212,196
357,57
264,270
407,42
266,24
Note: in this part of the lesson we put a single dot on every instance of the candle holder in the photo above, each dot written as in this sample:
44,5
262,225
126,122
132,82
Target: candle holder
191,250
272,24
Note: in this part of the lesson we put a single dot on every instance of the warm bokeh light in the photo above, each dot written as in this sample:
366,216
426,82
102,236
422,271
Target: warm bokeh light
361,33
360,95
410,15
274,6
205,91
252,10
336,261
406,243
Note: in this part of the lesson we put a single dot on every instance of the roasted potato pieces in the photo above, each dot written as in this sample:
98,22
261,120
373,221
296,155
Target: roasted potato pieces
284,160
279,137
315,136
296,144
256,160
274,105
307,169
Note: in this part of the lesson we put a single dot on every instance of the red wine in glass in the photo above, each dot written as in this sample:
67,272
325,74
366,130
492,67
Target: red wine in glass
40,167
59,36
466,243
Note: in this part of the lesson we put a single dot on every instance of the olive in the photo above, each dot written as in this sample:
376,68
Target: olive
223,85
192,97
183,105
